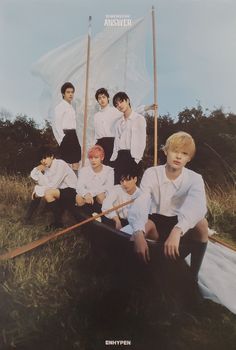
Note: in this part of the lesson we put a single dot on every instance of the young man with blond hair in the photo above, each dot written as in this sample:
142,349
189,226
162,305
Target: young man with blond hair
176,202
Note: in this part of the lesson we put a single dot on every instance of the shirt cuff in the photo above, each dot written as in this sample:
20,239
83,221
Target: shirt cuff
184,227
137,226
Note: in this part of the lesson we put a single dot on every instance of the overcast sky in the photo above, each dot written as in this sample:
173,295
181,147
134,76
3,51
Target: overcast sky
196,48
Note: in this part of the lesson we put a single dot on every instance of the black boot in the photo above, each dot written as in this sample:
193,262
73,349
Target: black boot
57,211
197,254
31,209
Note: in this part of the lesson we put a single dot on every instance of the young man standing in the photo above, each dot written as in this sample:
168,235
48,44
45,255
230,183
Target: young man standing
64,128
178,205
55,181
104,124
130,136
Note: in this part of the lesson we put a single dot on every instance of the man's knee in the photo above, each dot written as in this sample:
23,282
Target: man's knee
51,195
151,231
80,201
100,198
200,231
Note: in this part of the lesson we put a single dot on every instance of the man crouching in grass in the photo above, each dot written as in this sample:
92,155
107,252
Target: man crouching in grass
55,181
176,196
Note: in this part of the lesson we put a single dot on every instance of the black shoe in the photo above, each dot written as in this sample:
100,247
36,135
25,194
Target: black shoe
31,210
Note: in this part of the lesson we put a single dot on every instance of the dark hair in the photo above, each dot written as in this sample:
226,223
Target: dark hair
45,152
120,96
65,86
129,173
101,91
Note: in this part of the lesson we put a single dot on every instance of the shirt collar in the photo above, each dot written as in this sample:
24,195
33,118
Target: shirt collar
66,103
177,182
103,110
134,195
132,116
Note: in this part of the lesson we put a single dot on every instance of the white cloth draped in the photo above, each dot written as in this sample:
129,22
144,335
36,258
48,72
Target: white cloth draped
117,62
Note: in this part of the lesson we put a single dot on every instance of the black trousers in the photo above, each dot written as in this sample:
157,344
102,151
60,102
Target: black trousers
123,162
107,143
69,149
164,224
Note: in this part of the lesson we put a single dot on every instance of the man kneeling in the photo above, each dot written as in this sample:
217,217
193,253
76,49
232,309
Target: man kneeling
174,196
55,180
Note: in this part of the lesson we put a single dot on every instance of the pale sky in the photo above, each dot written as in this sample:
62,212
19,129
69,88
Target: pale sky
196,48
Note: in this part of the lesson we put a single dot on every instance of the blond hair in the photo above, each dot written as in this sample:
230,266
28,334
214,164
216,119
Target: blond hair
181,140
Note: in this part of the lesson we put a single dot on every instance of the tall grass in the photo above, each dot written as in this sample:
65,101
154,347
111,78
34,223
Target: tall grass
57,291
222,210
37,284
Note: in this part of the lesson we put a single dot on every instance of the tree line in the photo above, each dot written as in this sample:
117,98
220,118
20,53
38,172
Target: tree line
214,132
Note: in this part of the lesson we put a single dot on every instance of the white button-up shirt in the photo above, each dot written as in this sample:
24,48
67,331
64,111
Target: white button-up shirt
104,122
64,118
94,183
130,135
116,197
184,197
59,175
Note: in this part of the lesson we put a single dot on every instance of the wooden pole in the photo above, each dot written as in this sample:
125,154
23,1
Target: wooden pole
32,245
86,94
155,86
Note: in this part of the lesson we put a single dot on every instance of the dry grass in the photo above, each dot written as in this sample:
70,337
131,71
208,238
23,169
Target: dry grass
222,211
36,283
51,293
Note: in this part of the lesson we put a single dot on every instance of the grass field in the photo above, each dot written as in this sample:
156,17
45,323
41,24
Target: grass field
66,295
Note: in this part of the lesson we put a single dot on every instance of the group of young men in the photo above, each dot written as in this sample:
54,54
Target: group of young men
169,206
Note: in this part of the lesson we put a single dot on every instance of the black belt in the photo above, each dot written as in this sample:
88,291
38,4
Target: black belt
68,131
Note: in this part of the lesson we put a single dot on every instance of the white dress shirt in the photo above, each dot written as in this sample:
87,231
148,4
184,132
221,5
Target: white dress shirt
59,175
104,122
130,135
64,118
95,183
116,197
184,197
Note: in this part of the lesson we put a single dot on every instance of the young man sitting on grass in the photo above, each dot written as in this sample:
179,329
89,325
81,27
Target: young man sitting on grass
126,191
94,181
55,181
178,205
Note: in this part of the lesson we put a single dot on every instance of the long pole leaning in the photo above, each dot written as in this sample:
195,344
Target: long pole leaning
86,93
39,242
155,86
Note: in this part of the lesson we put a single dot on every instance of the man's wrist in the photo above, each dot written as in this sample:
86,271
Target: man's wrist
177,230
138,233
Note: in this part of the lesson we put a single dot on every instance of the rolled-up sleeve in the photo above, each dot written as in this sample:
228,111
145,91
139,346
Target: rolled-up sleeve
138,213
194,207
109,202
57,124
39,177
81,188
138,141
